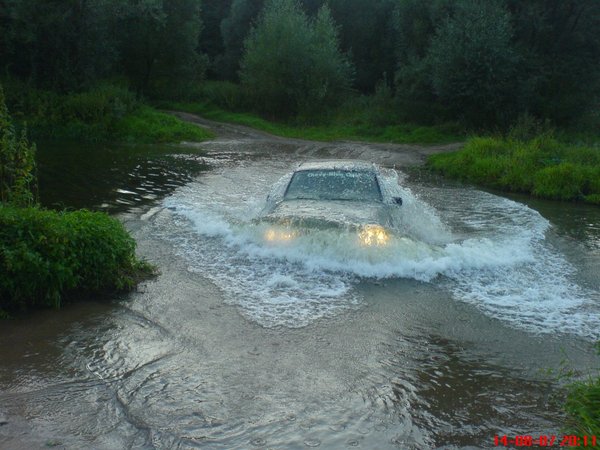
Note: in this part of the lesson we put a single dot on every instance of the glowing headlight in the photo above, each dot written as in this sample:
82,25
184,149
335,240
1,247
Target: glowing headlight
373,235
275,235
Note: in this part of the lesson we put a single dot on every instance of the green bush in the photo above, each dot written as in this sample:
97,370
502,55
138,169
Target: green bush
292,64
541,166
565,181
583,407
473,64
593,198
149,125
224,94
17,161
89,115
101,105
46,256
106,112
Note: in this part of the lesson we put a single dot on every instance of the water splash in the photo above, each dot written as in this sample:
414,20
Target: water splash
485,250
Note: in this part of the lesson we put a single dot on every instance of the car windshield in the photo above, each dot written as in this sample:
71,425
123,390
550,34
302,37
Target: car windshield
334,185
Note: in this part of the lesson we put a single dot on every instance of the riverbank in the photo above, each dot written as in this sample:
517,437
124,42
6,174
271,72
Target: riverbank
50,258
540,166
583,407
348,124
103,113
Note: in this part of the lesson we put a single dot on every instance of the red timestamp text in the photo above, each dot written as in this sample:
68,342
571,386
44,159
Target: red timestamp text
567,440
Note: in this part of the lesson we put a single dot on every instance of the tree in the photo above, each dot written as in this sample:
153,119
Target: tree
473,65
367,35
159,47
58,44
17,162
489,61
560,45
236,27
234,30
211,41
293,64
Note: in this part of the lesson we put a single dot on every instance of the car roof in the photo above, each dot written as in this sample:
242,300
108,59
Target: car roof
338,164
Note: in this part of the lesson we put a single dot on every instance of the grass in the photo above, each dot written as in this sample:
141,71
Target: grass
541,166
46,257
104,113
583,408
146,125
341,127
49,257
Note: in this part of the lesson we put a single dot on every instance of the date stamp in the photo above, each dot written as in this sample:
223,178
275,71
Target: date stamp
567,440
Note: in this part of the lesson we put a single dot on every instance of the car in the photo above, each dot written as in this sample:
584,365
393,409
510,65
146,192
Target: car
353,196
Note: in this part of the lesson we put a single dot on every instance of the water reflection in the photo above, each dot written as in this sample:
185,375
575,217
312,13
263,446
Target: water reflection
575,221
111,177
138,383
175,367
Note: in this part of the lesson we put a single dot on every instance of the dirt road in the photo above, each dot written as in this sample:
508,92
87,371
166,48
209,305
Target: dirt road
401,155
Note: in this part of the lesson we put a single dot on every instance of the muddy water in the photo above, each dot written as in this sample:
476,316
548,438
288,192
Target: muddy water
442,340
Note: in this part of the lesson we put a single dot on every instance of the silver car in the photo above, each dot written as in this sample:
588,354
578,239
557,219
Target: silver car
356,196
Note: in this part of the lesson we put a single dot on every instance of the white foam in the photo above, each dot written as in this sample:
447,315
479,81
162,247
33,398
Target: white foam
496,258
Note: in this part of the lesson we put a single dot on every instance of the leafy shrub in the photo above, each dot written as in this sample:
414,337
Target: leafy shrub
102,104
224,94
583,406
473,64
593,198
149,125
88,115
47,256
528,127
106,112
293,64
565,181
17,161
541,166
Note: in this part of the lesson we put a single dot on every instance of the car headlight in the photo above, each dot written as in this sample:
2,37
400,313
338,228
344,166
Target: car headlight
280,235
373,235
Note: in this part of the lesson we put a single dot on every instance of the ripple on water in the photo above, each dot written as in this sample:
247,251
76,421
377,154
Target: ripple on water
495,257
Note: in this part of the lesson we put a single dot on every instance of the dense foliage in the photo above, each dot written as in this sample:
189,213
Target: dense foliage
367,34
472,65
46,256
583,407
541,166
67,45
104,112
158,45
235,28
291,63
17,162
483,62
489,62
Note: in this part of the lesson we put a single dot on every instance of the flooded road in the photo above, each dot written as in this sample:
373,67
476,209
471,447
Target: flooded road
441,340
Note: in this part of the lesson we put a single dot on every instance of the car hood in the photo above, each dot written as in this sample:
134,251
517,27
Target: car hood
321,213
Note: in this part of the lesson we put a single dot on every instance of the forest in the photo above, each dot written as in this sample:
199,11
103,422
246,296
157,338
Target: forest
523,74
480,63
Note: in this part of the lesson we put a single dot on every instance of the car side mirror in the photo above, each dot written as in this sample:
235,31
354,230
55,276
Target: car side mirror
398,200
